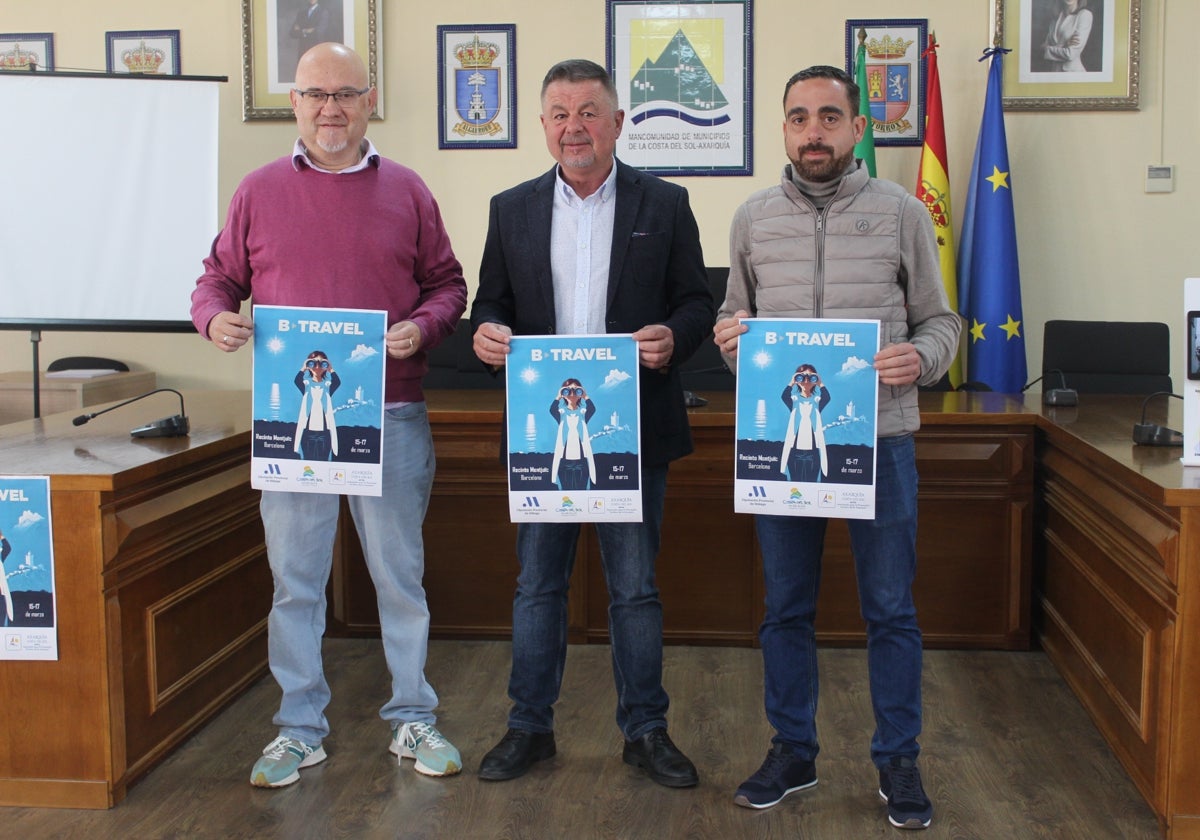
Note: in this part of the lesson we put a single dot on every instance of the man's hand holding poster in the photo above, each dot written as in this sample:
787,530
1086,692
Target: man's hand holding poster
806,418
318,400
573,429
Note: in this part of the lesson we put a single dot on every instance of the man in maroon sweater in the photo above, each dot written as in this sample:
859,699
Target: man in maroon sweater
336,225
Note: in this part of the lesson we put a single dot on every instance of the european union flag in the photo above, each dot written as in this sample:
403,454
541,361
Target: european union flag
989,279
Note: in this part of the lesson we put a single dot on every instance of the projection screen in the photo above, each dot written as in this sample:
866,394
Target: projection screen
110,190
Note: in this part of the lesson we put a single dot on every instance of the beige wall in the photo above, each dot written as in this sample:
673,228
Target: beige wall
1092,244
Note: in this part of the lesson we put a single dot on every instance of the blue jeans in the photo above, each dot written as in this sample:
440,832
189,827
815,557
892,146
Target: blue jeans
885,562
546,552
300,529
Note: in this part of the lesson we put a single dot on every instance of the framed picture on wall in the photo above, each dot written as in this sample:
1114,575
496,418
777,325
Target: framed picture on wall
25,51
477,86
683,74
275,33
895,77
148,52
1080,56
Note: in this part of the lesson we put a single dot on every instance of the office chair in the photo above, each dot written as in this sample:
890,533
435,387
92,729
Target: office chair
86,363
1107,357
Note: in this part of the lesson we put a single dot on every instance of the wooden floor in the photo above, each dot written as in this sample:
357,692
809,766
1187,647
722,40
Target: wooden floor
1008,753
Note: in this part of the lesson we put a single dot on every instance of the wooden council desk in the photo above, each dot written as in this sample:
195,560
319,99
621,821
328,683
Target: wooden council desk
162,592
1117,588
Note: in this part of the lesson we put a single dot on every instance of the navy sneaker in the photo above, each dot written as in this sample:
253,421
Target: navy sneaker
900,787
782,772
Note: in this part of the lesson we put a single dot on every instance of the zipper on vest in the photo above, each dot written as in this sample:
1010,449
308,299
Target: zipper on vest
819,270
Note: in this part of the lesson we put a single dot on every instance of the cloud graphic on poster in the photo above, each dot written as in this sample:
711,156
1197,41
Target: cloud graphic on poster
615,377
28,519
363,352
853,365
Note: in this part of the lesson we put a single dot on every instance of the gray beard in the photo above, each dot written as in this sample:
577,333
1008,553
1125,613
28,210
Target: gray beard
333,148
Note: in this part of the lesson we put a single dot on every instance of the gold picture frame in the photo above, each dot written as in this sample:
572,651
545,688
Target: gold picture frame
1103,76
271,43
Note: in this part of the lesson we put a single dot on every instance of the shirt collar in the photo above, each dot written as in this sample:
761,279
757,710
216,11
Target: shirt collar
370,157
603,194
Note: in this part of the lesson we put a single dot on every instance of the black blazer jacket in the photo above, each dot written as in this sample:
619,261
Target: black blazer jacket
656,276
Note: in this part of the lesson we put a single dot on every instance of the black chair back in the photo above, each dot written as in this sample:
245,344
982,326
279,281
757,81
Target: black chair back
1107,357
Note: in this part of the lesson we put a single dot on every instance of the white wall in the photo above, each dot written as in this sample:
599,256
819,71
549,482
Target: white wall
1092,244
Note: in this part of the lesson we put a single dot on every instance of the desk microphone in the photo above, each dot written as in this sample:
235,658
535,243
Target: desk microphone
175,426
1056,396
1152,434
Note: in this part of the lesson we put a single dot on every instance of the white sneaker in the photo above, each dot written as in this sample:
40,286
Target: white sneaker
434,755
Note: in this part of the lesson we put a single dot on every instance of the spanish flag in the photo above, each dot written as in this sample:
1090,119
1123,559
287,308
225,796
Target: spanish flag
933,185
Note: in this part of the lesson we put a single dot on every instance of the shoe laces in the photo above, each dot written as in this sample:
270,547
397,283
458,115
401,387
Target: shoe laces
417,732
774,763
906,784
277,748
656,737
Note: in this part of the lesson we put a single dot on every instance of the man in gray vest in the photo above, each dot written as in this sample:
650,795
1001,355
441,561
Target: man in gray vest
831,242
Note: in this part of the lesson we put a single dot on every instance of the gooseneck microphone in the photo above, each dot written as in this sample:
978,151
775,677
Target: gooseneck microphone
175,426
1152,434
1056,396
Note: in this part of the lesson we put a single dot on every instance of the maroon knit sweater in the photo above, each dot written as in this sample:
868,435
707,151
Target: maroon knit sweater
371,239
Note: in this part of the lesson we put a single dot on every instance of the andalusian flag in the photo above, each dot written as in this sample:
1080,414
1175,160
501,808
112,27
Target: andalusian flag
989,279
864,149
933,186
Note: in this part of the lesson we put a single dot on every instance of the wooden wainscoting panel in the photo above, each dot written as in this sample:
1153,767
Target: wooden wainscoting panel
191,604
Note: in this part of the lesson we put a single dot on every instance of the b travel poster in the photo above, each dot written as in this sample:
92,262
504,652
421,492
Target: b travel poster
318,400
806,418
573,429
27,604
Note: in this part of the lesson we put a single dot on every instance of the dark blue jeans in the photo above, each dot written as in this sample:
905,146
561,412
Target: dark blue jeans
885,562
546,552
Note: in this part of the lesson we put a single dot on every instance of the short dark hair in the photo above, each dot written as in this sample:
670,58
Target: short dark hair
824,71
581,70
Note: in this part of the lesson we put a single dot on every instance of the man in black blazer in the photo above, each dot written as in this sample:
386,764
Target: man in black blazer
594,246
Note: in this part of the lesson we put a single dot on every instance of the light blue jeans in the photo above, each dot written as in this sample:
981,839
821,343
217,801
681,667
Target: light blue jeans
885,563
300,529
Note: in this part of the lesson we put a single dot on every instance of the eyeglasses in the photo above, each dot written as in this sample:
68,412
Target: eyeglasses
800,378
317,363
571,392
345,96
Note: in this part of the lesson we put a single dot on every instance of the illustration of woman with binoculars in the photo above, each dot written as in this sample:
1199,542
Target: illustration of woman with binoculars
573,467
804,457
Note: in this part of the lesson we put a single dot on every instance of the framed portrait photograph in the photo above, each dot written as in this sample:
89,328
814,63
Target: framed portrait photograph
895,77
477,86
148,52
275,33
27,51
683,73
1079,55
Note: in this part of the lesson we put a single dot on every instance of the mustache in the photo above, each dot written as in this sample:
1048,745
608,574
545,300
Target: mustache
816,147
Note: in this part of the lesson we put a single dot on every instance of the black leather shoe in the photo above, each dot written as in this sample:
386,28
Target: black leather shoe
655,753
515,754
